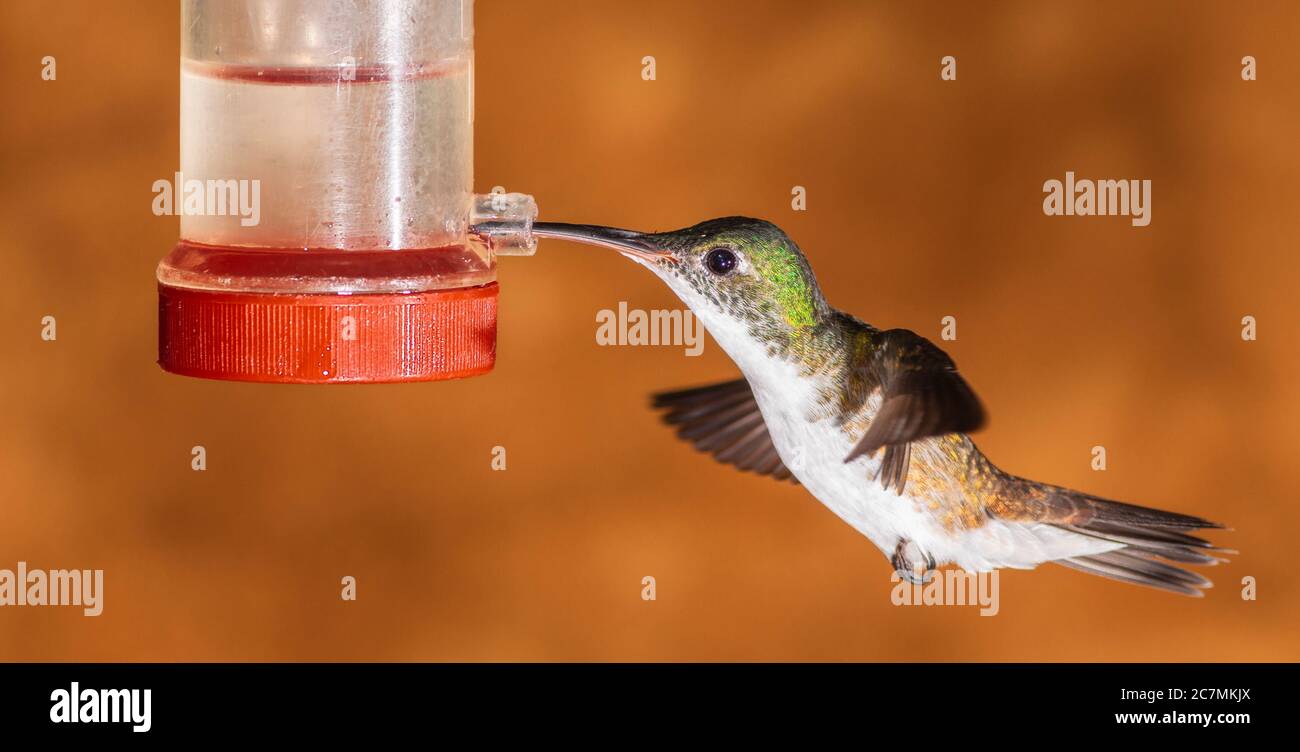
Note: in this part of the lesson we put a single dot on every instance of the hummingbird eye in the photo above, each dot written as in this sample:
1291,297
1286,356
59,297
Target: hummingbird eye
720,261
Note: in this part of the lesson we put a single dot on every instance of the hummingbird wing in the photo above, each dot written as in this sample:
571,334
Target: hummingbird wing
724,420
921,395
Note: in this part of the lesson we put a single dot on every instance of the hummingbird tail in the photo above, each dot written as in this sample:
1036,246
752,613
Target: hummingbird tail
1152,541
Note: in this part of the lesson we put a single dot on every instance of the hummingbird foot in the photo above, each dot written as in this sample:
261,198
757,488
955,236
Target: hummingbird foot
912,564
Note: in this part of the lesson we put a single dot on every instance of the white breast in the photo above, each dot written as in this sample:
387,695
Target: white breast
814,450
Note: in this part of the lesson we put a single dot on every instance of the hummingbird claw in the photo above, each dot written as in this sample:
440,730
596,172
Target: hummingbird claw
914,572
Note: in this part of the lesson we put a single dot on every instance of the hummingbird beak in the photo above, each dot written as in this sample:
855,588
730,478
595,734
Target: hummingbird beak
630,243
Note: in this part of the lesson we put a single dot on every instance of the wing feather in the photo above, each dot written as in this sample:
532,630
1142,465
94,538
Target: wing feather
921,395
724,420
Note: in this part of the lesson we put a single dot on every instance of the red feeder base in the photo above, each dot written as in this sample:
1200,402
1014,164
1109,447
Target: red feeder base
328,339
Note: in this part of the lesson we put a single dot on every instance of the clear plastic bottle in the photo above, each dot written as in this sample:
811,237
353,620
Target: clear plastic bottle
327,151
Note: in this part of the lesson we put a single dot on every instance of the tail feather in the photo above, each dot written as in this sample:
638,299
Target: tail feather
1150,538
1126,565
1080,508
1180,547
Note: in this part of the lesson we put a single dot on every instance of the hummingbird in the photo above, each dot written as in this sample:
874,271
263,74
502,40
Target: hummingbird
876,423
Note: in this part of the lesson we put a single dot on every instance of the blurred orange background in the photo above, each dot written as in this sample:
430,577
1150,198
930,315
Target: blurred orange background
924,200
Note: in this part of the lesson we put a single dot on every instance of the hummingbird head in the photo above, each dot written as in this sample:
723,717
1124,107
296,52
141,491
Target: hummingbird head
740,276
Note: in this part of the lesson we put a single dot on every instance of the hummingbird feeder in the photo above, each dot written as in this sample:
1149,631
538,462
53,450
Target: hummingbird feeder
329,231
